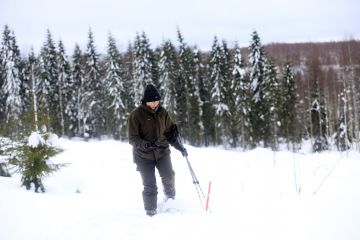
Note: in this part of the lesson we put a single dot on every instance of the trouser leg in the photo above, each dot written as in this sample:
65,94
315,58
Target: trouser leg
167,175
149,194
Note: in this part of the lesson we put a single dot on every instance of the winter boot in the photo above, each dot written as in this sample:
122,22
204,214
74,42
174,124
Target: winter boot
169,196
151,212
150,204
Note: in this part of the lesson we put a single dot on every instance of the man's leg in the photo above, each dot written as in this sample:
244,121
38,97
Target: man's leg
167,175
147,172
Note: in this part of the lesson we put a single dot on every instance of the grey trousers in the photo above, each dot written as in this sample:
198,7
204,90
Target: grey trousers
147,172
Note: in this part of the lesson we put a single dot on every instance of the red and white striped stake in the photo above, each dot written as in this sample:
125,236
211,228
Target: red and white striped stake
208,197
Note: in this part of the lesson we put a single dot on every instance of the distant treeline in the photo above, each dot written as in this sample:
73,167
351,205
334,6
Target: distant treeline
236,96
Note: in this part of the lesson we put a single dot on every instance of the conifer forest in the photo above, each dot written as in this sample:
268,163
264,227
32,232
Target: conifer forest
231,95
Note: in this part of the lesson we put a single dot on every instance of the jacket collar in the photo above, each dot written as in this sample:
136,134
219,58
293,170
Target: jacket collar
146,108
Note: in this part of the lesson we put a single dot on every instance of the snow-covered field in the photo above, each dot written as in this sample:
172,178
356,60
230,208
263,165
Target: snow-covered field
255,195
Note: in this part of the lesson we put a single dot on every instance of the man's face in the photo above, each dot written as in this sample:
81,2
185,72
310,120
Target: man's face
152,105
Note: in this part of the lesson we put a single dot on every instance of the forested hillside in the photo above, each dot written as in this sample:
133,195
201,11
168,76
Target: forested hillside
236,96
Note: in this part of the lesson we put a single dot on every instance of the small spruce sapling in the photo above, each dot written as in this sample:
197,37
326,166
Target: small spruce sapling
31,159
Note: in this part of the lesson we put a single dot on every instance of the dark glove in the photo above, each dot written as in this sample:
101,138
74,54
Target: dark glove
150,146
184,152
178,146
155,144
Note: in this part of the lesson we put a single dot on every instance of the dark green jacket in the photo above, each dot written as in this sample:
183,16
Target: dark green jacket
146,125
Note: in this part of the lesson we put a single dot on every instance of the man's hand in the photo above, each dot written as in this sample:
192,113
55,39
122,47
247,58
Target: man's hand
150,146
154,145
184,152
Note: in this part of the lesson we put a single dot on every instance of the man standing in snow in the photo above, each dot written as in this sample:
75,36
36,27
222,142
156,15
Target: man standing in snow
150,132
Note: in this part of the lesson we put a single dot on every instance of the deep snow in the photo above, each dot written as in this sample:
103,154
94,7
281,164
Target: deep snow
255,195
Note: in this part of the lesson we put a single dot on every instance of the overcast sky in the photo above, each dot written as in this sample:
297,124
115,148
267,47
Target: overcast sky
198,20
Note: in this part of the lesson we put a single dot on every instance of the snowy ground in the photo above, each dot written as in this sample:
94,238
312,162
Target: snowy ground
255,195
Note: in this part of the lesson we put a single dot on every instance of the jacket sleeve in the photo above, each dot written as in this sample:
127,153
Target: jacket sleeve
134,132
168,124
171,136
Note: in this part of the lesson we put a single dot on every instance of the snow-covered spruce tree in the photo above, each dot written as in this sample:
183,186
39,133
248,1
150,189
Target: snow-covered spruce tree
168,75
273,102
354,87
30,64
64,81
234,98
217,75
116,113
94,93
35,113
142,68
342,139
194,103
75,96
214,76
2,95
350,77
10,83
227,92
257,60
240,107
187,72
289,124
318,118
49,84
31,158
181,91
129,83
154,59
207,112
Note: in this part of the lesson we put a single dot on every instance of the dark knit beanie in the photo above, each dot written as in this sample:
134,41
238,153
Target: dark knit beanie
151,94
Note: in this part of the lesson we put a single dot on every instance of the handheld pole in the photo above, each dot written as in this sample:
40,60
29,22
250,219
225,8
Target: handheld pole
199,190
196,182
